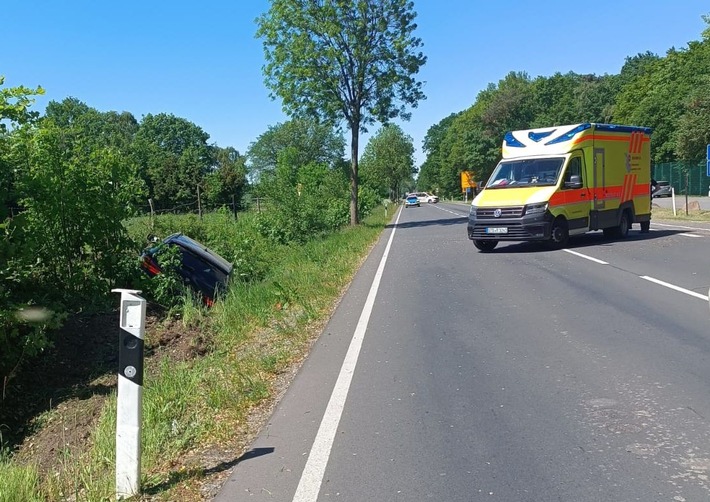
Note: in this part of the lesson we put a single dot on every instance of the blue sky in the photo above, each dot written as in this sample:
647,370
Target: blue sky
201,61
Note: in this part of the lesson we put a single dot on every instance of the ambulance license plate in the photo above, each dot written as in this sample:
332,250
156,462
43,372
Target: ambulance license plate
496,230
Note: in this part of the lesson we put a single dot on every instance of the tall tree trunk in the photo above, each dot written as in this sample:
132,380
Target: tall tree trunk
355,134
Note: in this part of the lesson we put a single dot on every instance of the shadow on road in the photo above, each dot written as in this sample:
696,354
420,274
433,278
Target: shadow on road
428,223
591,239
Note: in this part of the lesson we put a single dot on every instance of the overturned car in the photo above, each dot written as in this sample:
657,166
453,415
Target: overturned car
201,269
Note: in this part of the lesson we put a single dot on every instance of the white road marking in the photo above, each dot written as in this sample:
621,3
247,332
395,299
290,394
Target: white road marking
674,287
645,277
312,477
585,257
691,235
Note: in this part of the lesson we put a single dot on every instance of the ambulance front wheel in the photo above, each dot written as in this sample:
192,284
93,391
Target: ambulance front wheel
485,246
559,235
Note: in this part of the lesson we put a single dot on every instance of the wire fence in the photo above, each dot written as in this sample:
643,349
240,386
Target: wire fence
248,203
685,177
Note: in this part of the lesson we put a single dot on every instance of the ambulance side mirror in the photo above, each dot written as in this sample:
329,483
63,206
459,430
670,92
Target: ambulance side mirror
575,181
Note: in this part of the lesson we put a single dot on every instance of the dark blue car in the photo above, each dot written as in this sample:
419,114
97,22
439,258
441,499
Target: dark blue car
203,270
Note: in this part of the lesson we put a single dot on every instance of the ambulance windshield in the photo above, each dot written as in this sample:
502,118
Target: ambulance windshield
526,172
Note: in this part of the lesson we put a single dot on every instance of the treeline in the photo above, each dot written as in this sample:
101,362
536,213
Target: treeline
71,180
670,94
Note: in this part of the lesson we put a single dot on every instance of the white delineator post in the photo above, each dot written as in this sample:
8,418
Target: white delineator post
130,393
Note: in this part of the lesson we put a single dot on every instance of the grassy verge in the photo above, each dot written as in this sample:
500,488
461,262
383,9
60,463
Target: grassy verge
256,337
667,214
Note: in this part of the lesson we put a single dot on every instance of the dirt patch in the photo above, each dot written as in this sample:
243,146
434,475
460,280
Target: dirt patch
73,380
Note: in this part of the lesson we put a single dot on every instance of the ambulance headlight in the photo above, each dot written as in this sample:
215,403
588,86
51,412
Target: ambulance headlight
472,210
536,208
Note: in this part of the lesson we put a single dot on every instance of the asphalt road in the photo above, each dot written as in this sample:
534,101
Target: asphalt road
519,375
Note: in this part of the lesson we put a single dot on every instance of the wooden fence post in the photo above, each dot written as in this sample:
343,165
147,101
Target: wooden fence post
152,214
199,202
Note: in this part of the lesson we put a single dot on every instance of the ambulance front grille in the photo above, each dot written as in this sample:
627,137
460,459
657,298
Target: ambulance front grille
488,213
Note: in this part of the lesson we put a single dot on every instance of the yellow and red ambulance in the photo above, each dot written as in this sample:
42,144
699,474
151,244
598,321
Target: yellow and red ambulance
554,182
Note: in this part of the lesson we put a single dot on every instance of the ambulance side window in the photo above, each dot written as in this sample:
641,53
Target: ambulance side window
574,168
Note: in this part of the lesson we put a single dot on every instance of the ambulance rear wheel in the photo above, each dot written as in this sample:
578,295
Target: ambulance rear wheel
645,227
623,229
485,246
559,235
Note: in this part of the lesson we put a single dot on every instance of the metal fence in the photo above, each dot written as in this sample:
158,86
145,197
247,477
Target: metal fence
684,176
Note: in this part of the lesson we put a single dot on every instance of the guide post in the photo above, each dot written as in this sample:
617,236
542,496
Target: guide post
130,393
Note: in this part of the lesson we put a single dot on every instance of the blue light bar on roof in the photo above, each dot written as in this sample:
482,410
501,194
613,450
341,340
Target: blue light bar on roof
511,141
569,135
539,136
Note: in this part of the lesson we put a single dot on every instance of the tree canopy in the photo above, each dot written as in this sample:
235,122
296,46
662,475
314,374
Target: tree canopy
314,143
174,157
343,60
388,161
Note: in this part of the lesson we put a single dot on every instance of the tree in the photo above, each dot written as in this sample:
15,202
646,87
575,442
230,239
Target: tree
431,145
227,179
15,105
99,129
693,133
17,340
508,106
655,98
468,145
174,158
388,160
313,143
343,60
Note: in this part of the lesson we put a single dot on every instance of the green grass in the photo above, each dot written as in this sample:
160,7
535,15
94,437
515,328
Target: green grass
258,331
667,214
19,483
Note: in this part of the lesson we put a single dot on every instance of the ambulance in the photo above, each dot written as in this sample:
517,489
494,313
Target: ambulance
554,182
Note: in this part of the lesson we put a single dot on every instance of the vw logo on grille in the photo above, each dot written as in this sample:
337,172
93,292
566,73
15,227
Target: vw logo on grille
497,213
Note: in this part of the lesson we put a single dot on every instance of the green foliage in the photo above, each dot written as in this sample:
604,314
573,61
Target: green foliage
351,61
240,243
167,288
15,103
368,200
19,483
309,141
74,203
307,201
15,111
24,324
693,132
67,248
432,146
387,162
174,157
225,183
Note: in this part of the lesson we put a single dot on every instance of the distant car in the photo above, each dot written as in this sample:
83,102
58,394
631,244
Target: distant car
201,269
411,200
427,197
663,189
